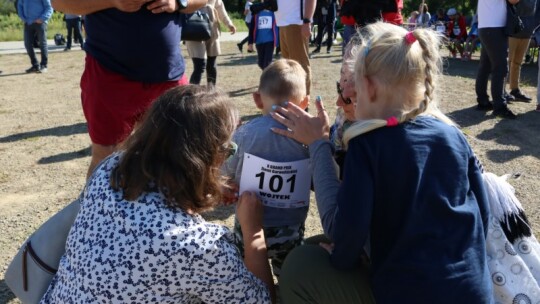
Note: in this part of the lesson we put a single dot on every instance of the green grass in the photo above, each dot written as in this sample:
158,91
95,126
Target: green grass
11,26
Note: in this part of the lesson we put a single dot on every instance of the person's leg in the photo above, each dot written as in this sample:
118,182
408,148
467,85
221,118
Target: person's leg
29,45
516,60
211,70
283,41
348,31
42,36
330,41
260,55
495,44
484,70
77,29
319,37
297,49
268,54
198,69
69,27
308,277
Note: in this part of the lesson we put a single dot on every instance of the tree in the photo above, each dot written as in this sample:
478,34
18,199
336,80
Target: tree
467,7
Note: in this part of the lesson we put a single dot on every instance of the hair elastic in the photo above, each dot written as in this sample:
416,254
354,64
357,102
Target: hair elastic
366,49
392,121
410,38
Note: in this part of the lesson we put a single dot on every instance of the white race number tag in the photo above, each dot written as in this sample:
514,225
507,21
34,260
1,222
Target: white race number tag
265,22
279,185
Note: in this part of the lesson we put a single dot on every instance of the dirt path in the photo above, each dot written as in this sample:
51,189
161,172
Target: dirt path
44,149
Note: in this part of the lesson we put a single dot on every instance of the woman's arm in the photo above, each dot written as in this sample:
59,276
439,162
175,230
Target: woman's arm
223,16
249,213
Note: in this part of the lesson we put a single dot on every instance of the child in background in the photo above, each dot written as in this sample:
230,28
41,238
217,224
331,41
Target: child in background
411,185
283,80
456,32
266,36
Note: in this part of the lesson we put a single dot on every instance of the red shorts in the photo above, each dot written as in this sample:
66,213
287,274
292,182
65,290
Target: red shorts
112,104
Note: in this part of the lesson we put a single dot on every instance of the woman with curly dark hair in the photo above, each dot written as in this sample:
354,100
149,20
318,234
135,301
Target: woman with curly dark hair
138,236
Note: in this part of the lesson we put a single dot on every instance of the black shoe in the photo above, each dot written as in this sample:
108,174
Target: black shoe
519,96
328,51
504,113
34,69
316,51
67,49
484,106
508,97
239,45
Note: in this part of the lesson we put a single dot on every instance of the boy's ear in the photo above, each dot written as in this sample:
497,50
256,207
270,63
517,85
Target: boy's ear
258,100
304,103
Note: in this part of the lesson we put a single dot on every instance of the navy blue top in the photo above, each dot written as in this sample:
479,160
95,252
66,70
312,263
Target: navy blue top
417,192
141,46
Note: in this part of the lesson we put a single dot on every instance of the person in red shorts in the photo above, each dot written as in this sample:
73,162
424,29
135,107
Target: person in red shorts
132,57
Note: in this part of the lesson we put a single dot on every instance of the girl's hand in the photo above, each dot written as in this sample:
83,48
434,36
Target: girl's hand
249,212
229,193
302,127
232,29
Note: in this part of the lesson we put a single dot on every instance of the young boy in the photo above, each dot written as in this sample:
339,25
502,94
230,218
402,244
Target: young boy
273,166
266,36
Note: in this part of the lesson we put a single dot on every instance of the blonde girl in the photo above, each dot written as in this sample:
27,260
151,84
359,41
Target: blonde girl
411,186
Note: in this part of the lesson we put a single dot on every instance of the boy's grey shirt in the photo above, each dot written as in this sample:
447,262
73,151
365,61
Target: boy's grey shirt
256,137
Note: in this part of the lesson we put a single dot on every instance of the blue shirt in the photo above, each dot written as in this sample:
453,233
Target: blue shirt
31,10
141,46
265,27
255,137
416,190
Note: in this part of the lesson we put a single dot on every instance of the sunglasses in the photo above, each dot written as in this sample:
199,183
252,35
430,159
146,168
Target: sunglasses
230,149
340,92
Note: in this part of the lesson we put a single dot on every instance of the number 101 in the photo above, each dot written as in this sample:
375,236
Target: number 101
275,182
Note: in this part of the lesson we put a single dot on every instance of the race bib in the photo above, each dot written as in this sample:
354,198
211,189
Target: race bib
265,22
440,28
279,185
457,31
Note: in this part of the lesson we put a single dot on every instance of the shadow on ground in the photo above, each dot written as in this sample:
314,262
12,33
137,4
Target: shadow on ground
78,128
65,156
5,293
468,69
505,132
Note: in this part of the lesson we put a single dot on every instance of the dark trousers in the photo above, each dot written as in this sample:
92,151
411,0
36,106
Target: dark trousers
199,65
321,27
493,60
74,26
30,31
265,51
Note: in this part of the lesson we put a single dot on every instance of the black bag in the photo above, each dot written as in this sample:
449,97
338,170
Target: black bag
59,39
514,24
197,27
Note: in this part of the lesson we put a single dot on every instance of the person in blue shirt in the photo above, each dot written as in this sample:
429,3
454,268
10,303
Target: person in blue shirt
266,36
412,189
35,14
132,56
283,219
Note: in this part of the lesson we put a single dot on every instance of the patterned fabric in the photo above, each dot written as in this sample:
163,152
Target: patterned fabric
143,252
279,242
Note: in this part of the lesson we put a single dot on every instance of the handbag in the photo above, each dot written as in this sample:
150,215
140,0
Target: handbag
32,269
514,24
197,27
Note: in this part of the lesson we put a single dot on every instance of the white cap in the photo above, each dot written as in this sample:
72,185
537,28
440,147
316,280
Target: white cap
451,12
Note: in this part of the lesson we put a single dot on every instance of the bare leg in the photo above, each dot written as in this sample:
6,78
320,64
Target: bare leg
99,153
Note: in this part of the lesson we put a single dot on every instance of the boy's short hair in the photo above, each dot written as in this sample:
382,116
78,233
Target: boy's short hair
283,80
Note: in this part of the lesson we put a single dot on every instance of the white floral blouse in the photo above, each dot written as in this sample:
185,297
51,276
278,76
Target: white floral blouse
144,252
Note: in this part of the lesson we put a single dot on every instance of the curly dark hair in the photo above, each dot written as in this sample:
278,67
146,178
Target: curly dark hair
178,148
